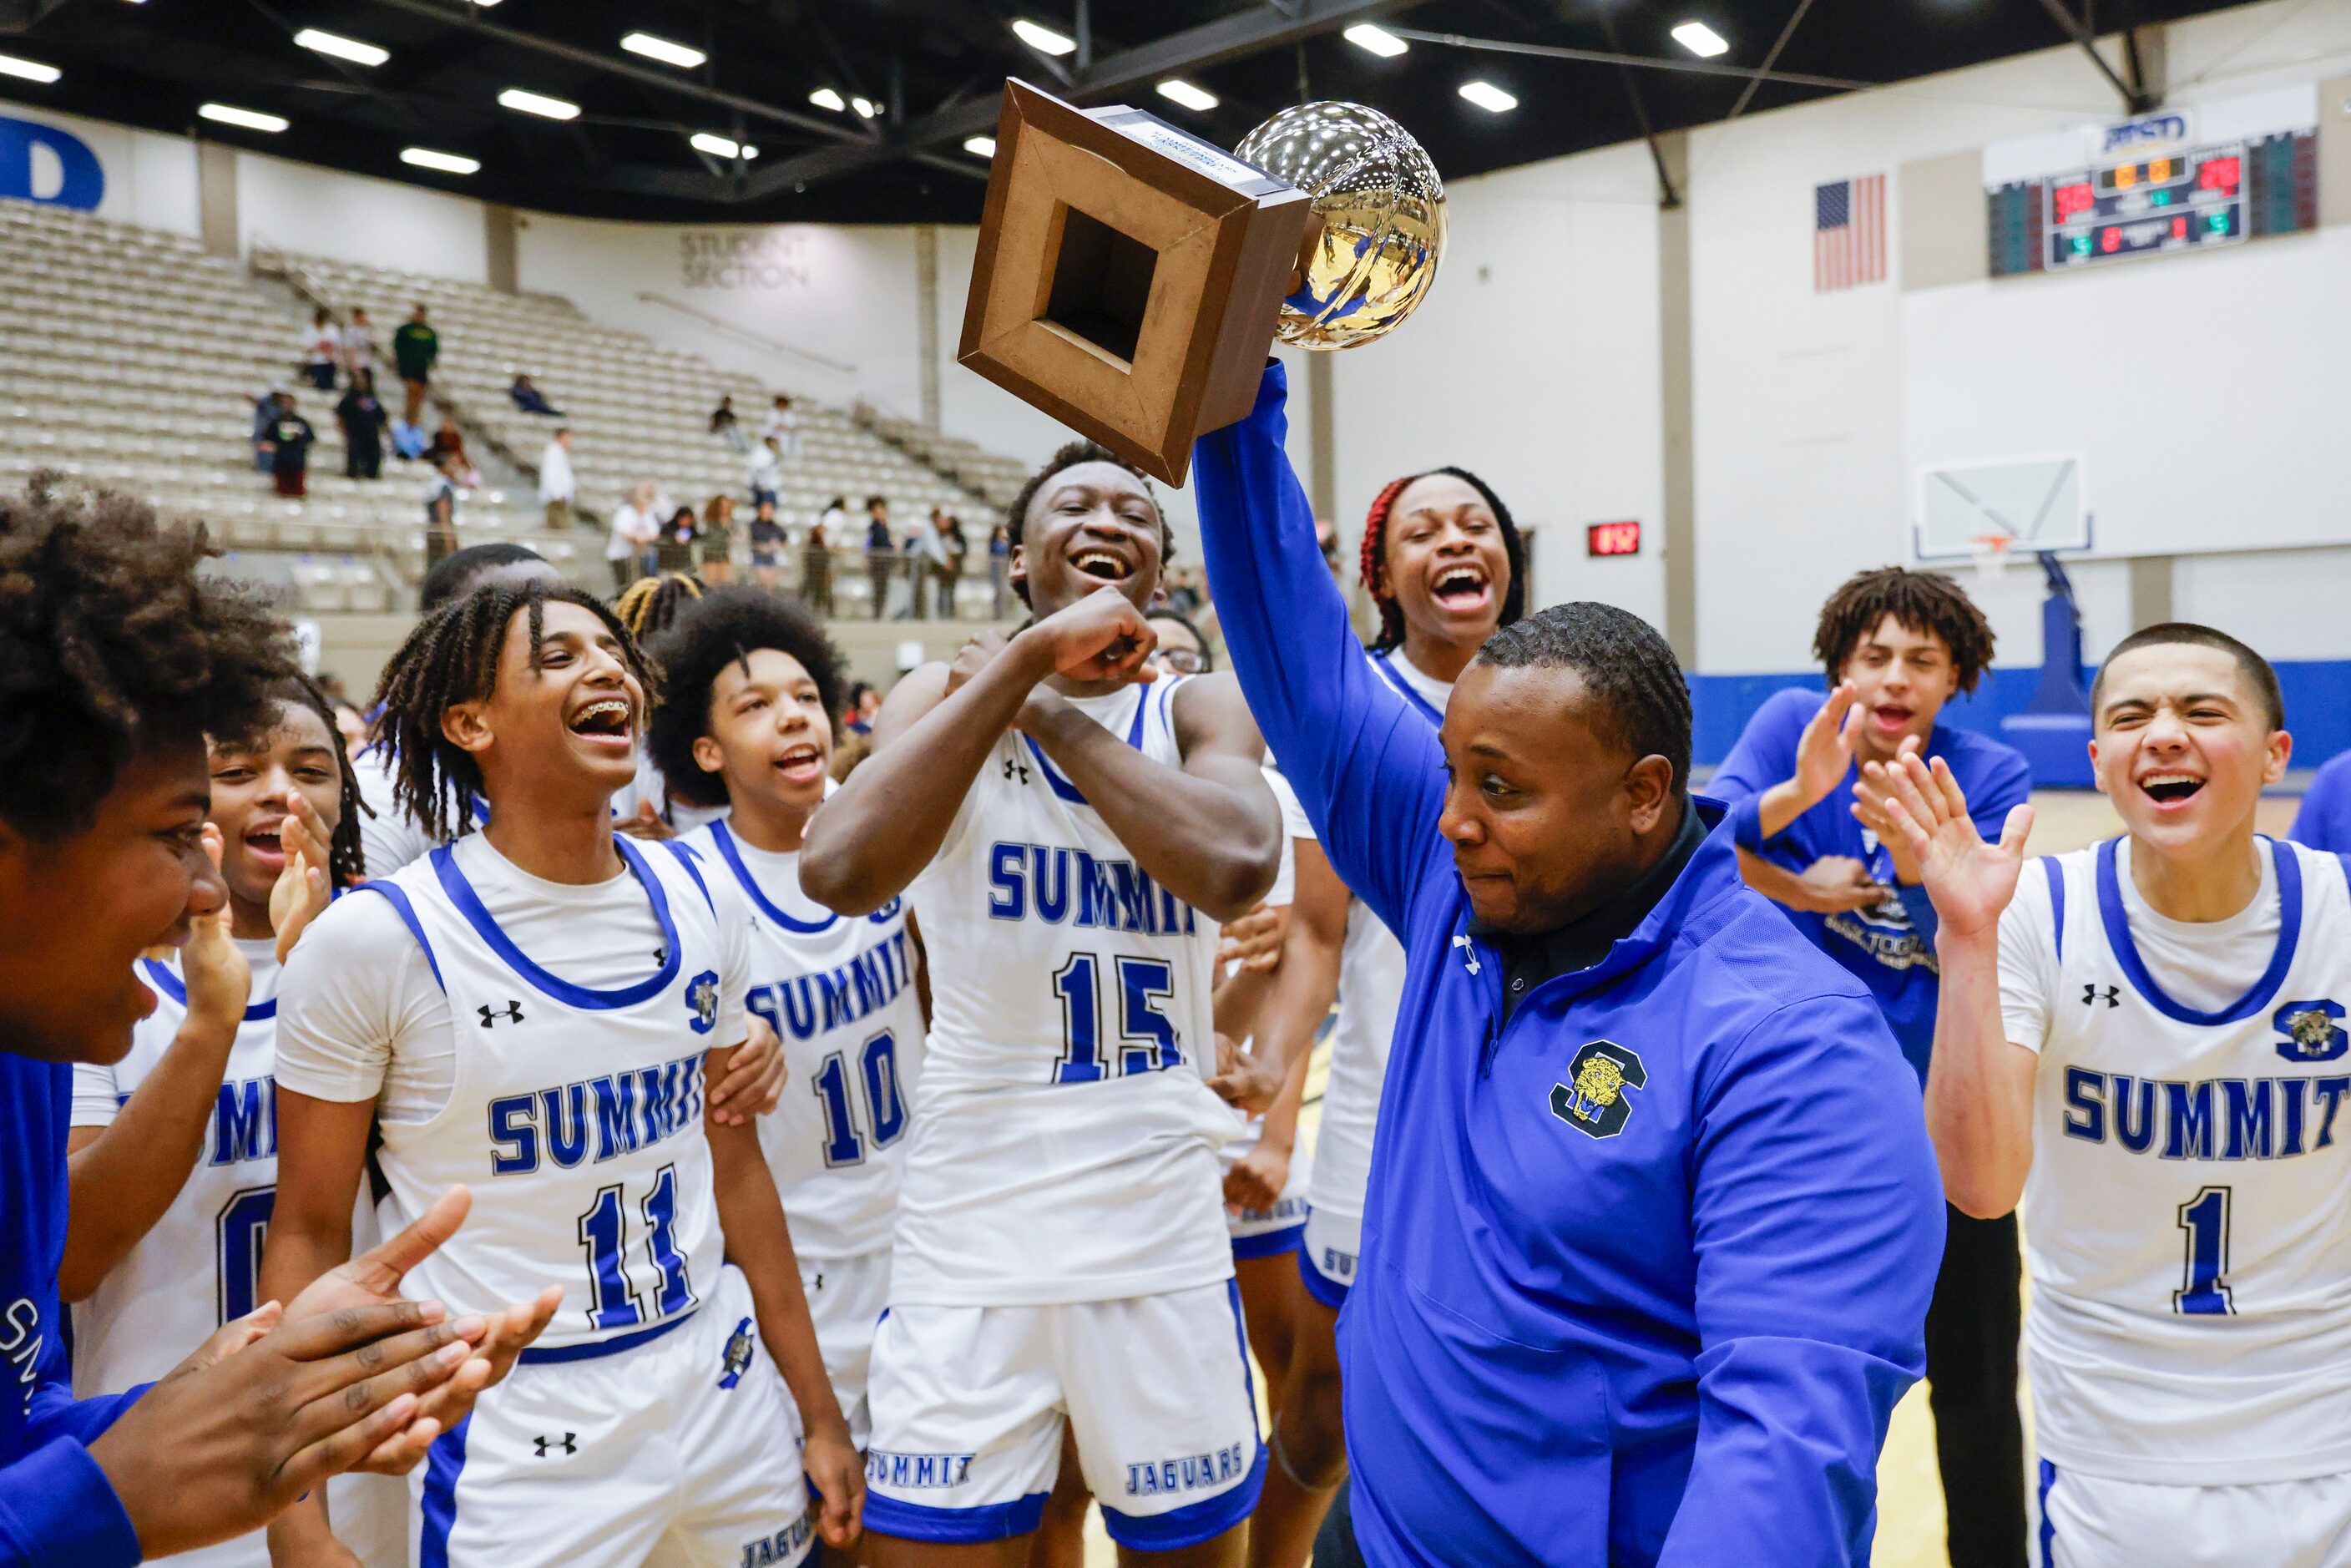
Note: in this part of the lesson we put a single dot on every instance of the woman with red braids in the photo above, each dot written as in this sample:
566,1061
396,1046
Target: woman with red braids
1445,565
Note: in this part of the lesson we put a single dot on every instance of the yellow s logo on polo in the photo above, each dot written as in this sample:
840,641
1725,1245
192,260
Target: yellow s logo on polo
1594,1101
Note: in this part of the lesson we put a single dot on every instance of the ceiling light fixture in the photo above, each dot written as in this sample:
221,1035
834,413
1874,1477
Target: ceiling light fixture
250,120
343,48
825,97
30,70
654,47
1701,40
447,162
865,107
980,146
538,103
720,146
1177,90
1378,40
1488,96
1043,40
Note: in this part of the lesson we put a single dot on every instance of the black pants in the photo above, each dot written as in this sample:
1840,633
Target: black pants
1971,1332
1334,1542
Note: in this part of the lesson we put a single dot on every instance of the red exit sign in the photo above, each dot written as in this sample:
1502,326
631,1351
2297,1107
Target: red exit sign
1612,538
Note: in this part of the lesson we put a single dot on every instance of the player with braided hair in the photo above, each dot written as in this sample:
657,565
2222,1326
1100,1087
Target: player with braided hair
173,1167
649,809
538,1005
1813,835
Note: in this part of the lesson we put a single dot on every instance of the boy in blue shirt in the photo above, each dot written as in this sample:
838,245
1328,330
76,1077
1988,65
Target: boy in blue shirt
1813,835
116,657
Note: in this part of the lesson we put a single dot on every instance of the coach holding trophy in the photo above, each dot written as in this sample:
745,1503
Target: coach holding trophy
1653,1220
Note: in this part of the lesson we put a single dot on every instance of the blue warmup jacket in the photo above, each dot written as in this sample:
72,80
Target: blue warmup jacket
1891,947
57,1508
1645,1272
2325,820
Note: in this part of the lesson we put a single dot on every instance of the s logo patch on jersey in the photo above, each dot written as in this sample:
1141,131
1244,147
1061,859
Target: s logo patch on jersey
2311,1031
1594,1102
702,995
736,1360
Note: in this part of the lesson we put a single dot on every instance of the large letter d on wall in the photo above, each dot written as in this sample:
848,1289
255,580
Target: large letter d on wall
42,163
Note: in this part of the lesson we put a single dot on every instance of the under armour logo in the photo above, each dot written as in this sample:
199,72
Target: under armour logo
1468,953
661,957
569,1443
511,1012
2111,995
1013,765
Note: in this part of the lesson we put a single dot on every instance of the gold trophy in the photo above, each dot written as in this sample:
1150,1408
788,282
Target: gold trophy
1131,277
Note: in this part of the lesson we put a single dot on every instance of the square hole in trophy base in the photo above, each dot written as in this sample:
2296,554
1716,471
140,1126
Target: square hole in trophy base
1101,283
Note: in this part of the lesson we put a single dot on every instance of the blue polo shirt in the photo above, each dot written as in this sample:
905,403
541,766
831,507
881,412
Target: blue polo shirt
1646,1267
1890,946
56,1508
2325,820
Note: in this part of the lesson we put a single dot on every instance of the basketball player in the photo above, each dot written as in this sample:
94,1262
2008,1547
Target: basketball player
388,838
2323,819
1443,562
1813,836
1067,826
751,692
119,653
173,1158
2145,1042
536,1006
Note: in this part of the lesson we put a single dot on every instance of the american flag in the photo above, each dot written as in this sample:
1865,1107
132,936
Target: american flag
1848,233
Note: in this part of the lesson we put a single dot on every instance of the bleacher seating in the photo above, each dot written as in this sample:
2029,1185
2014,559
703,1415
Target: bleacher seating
132,360
639,409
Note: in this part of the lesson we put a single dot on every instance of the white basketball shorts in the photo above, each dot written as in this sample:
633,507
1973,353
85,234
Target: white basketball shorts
676,1446
2093,1522
1327,1254
1266,1233
846,1297
969,1405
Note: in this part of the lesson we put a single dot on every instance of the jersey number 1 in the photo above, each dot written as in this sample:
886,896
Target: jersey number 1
2205,1218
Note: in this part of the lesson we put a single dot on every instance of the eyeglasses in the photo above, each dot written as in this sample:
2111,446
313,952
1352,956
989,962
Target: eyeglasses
1179,661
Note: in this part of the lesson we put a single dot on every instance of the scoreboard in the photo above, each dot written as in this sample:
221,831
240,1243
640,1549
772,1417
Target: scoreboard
2146,203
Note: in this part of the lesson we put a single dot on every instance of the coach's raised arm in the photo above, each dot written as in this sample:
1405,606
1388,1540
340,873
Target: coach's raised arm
1653,1220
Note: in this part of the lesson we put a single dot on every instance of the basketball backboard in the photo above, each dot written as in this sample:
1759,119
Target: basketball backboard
2035,504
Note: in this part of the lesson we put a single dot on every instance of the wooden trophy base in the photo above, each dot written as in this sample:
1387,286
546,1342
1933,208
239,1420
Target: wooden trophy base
1128,275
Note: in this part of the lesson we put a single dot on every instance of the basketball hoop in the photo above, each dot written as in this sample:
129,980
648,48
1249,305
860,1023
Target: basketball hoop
1990,553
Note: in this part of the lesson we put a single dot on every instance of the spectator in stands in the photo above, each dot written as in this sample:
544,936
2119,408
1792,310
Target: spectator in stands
956,549
359,346
673,553
558,488
635,525
361,414
784,424
530,399
766,474
290,436
415,348
767,542
1183,594
816,562
447,441
834,519
881,553
1000,560
445,496
322,351
714,545
921,552
724,422
266,410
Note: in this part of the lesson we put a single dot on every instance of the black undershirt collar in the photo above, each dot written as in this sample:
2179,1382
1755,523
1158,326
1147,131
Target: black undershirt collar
1529,961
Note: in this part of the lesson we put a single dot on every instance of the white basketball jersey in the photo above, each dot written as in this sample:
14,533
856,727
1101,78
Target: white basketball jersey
196,1269
839,992
575,1116
1371,989
2187,1219
1063,1146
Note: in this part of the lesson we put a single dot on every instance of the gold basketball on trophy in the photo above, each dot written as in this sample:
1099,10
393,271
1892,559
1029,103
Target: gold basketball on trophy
1380,213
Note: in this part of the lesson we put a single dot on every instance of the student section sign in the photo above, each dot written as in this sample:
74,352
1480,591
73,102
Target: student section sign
42,164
